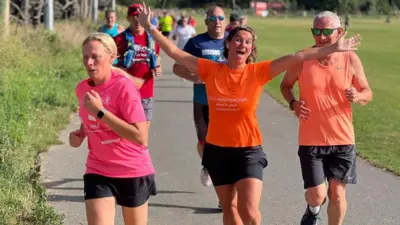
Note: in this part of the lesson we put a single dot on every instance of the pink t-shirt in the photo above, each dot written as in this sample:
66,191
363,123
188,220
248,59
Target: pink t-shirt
109,154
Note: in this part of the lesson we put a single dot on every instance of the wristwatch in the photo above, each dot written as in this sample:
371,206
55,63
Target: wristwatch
101,113
291,104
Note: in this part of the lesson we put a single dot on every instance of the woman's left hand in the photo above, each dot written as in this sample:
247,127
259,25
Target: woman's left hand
343,45
144,16
93,102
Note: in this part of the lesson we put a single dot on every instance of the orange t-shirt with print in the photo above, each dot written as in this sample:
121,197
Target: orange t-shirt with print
233,97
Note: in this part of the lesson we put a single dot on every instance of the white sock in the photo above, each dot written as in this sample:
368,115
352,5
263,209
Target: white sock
315,209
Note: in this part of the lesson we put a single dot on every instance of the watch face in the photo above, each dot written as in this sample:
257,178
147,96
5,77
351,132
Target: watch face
100,114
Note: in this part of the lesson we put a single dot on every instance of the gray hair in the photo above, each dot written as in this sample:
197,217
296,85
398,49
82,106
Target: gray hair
328,14
211,9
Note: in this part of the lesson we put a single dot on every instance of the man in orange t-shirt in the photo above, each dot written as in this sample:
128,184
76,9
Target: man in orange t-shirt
327,87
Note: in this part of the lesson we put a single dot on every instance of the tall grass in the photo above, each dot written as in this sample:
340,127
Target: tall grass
38,74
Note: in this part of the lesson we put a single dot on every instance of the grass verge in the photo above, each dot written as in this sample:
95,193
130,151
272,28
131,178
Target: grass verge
39,72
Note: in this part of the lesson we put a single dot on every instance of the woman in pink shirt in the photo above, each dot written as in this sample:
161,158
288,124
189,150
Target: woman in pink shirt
119,169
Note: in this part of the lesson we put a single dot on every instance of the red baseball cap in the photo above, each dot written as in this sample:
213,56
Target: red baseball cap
133,10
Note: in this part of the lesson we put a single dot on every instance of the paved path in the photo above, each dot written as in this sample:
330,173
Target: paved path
182,199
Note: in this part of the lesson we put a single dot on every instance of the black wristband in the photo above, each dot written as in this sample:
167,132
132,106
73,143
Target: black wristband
101,113
291,104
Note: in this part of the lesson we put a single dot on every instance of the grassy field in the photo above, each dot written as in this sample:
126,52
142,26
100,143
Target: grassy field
377,124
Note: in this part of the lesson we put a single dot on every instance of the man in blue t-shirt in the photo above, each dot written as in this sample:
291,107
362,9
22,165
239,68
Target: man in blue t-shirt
209,45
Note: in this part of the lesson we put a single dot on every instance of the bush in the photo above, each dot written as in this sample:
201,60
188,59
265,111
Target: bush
37,82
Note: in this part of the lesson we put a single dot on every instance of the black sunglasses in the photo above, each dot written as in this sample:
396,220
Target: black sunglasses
325,31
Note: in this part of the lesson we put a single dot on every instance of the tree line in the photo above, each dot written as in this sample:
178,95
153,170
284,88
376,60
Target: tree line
369,7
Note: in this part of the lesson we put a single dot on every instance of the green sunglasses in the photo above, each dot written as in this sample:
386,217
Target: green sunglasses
325,32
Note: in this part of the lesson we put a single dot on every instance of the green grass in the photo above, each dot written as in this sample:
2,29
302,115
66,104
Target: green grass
376,124
37,82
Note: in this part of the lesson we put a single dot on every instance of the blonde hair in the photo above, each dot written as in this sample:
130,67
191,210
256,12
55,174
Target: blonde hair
111,48
106,40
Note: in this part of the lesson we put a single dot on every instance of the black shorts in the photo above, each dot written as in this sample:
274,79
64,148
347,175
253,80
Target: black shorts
166,33
228,165
321,162
128,192
201,119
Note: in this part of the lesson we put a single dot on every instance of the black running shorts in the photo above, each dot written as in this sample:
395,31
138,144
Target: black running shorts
200,114
128,192
321,162
228,165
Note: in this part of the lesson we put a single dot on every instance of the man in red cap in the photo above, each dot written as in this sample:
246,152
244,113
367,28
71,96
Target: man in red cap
138,55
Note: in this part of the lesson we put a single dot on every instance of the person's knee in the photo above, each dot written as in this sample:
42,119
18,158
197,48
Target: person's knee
229,208
249,214
316,195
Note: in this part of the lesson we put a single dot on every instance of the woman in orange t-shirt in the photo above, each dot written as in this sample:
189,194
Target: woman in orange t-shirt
233,154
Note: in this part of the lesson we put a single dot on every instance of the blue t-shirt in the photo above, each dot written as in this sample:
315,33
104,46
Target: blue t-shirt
204,46
112,32
154,21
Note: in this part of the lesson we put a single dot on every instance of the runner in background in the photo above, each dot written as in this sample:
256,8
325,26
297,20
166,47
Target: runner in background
233,22
138,55
111,27
166,24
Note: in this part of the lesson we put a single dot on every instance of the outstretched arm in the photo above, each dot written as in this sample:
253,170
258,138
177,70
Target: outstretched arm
286,62
184,73
187,60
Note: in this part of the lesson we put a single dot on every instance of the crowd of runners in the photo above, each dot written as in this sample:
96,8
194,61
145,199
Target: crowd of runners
117,102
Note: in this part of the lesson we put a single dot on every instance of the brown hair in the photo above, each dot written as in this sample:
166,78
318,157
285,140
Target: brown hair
108,11
253,55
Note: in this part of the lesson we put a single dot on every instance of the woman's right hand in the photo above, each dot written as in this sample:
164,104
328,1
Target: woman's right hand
144,16
76,138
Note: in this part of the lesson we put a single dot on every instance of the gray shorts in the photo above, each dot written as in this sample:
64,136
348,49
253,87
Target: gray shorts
148,106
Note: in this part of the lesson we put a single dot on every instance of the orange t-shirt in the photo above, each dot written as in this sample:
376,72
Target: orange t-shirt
322,88
233,97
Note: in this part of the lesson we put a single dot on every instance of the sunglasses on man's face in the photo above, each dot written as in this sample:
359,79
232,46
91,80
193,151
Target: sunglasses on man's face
214,18
325,32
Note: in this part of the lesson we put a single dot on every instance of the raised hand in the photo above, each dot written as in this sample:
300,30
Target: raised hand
144,16
343,45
